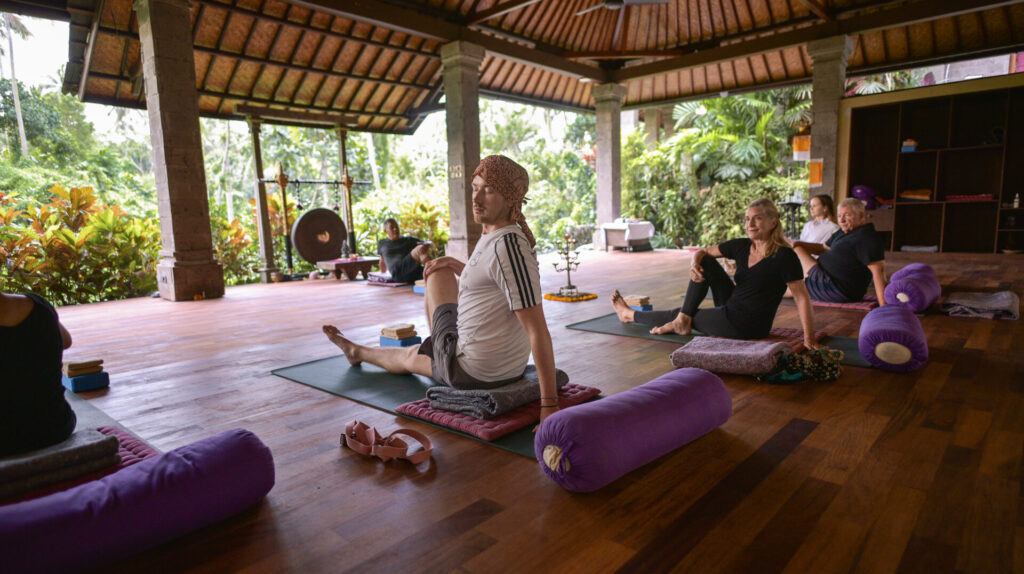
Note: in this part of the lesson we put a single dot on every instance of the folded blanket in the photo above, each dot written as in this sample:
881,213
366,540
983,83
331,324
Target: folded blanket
489,403
83,452
1000,305
732,356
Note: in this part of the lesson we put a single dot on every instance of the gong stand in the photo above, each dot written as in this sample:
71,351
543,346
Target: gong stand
282,180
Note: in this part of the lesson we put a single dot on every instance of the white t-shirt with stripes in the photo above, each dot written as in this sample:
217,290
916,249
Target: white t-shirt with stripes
501,276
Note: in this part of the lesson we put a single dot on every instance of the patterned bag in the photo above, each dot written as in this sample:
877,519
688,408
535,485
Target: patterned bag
822,365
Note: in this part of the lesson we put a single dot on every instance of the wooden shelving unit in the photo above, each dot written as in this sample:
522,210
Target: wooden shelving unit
967,145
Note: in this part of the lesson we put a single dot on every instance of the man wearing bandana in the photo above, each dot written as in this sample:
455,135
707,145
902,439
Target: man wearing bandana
485,315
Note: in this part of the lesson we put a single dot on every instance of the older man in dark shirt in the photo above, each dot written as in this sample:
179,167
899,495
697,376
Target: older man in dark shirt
849,262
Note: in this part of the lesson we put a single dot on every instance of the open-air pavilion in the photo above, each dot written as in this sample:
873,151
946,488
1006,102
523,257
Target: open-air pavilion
875,472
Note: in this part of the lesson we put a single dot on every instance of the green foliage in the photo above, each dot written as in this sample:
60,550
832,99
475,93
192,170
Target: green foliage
739,137
726,203
74,249
419,213
55,125
658,186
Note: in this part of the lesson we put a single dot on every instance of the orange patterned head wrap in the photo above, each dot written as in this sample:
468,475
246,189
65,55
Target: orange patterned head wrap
510,180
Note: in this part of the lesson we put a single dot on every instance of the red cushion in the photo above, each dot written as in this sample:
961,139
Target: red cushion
493,429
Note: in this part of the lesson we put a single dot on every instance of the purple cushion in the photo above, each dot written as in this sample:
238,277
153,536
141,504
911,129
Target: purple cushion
913,269
137,508
916,289
591,445
891,338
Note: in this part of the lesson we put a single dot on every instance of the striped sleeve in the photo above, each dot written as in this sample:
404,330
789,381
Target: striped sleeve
517,271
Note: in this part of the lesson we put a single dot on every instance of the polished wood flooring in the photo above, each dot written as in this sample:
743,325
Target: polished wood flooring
875,472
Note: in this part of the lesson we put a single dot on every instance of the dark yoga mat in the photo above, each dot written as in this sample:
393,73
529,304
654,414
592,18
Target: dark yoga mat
375,387
610,325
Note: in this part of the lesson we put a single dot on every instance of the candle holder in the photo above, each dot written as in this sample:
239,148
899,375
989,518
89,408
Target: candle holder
569,262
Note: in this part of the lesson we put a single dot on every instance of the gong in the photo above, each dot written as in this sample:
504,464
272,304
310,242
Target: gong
318,235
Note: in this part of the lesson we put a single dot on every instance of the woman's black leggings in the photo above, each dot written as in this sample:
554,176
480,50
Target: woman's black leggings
710,321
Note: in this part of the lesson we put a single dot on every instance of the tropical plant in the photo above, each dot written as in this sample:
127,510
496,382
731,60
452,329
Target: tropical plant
739,137
74,249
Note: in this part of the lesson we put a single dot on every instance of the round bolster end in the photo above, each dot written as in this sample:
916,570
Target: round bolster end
903,297
553,459
893,353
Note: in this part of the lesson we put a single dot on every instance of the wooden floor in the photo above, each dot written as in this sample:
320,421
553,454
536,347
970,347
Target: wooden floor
876,472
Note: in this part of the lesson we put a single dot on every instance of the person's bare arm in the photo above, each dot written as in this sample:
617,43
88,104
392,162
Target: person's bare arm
696,269
383,264
813,249
64,335
532,319
445,262
878,276
806,312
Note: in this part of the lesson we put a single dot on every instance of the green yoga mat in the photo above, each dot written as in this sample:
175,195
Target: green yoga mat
377,388
610,325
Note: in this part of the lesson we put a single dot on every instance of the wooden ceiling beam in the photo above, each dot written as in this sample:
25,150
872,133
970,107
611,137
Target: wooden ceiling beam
497,10
413,22
347,120
901,16
820,10
311,108
285,65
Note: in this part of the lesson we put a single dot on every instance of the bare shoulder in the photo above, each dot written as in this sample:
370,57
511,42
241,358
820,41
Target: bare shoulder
14,309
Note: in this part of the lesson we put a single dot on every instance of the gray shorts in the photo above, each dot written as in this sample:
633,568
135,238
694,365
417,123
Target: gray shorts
442,346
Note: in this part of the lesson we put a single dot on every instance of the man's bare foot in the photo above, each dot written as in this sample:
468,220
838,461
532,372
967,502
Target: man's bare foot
625,312
681,325
350,349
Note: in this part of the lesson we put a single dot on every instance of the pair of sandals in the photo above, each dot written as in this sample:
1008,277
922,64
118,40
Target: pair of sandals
365,440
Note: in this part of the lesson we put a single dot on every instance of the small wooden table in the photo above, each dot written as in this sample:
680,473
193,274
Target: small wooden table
351,267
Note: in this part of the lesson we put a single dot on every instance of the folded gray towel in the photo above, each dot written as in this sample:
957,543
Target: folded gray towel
81,447
489,403
1000,305
44,479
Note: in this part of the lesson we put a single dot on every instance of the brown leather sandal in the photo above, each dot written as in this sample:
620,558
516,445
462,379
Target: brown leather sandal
365,440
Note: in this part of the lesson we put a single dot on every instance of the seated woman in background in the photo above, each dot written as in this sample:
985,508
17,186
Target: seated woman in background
33,411
822,223
765,266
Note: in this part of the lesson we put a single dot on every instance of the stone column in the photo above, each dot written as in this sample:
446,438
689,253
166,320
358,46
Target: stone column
652,127
187,269
461,62
262,208
608,98
829,58
668,124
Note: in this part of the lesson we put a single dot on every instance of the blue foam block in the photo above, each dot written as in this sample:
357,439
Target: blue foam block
88,382
418,289
409,341
642,307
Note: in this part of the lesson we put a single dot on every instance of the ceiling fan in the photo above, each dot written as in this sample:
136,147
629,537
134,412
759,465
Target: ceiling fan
618,4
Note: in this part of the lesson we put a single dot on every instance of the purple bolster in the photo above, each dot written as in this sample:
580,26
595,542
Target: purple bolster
916,289
897,325
600,441
913,269
138,507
